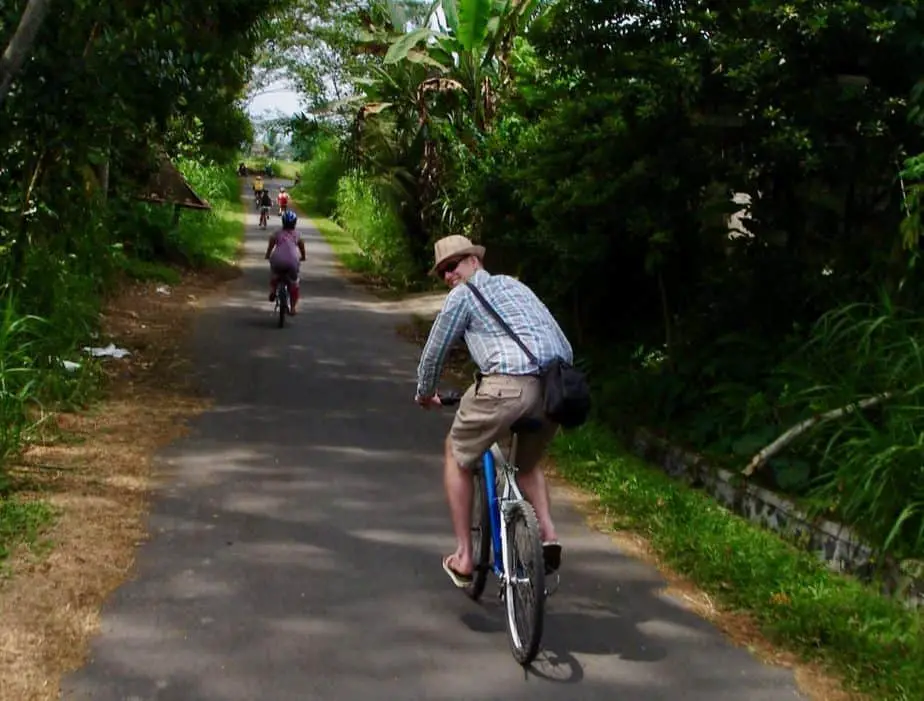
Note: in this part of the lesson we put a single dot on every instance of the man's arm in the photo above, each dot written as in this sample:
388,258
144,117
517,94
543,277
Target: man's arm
448,327
270,245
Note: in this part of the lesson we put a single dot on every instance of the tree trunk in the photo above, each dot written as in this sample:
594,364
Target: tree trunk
21,43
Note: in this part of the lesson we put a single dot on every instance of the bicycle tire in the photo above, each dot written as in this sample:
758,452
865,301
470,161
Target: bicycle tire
282,301
524,627
481,536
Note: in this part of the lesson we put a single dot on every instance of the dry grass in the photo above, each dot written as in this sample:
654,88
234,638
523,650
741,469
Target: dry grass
95,469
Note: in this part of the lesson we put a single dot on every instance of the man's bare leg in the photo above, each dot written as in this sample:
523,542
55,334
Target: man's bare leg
459,491
536,491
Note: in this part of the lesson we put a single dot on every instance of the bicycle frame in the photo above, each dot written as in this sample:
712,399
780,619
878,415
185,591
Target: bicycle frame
511,492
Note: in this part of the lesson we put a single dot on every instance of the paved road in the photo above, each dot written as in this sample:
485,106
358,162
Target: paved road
297,540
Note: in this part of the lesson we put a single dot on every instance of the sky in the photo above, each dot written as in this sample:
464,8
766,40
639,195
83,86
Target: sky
278,98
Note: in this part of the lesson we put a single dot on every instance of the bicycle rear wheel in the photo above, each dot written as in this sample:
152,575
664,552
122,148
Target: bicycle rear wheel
282,302
481,536
524,589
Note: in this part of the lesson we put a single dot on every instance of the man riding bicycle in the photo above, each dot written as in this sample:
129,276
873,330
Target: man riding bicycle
282,200
284,251
507,388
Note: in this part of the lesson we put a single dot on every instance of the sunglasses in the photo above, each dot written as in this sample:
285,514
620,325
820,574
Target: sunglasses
450,266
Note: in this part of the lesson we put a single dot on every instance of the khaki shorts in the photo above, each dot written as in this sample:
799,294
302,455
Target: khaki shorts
486,412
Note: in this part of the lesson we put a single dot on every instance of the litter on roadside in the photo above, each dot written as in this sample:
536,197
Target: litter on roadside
109,351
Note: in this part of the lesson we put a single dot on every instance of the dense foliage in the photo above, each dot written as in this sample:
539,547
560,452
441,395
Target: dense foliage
600,149
95,94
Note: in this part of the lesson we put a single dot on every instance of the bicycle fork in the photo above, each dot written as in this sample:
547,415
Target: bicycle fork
509,495
495,464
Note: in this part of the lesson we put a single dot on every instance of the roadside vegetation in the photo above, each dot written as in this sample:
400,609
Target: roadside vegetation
78,224
604,153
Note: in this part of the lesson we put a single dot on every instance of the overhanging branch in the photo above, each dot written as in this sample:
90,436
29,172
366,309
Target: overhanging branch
19,46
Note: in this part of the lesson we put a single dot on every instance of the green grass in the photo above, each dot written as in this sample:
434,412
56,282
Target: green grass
346,250
345,247
288,169
21,522
212,237
222,233
149,270
64,313
875,642
349,254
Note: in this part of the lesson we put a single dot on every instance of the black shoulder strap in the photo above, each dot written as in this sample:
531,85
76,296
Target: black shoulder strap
501,321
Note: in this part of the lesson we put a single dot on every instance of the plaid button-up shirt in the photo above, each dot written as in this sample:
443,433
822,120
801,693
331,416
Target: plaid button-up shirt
491,348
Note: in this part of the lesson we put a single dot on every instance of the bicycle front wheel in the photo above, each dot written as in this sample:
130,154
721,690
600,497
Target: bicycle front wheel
525,582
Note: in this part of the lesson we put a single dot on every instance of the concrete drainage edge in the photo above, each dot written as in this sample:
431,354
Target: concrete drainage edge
833,543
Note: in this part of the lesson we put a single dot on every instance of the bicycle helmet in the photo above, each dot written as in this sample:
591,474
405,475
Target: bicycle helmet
288,219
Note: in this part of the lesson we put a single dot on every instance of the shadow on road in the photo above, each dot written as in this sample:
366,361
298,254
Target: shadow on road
298,531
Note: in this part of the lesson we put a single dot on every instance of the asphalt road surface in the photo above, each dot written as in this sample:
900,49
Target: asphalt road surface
297,536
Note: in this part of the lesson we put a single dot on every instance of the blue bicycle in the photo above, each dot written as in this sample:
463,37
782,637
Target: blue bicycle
506,541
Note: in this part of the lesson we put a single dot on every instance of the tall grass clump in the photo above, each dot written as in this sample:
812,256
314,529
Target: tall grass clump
317,192
370,218
32,372
19,376
50,301
867,464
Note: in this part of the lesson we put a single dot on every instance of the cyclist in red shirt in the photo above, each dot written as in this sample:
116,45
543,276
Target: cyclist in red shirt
282,199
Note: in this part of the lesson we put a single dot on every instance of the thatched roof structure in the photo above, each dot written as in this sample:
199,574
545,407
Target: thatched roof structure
168,186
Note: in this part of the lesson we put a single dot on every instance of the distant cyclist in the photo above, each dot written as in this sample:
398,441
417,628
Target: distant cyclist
285,250
265,203
282,200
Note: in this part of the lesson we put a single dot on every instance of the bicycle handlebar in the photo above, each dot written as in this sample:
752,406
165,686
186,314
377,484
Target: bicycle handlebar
449,398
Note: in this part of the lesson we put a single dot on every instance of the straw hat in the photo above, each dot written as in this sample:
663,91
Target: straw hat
454,246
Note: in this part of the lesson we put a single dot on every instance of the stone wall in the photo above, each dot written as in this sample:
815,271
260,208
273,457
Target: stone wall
834,544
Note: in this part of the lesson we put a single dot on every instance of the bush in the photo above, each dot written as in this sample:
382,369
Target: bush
371,219
200,237
320,177
147,233
866,465
51,293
